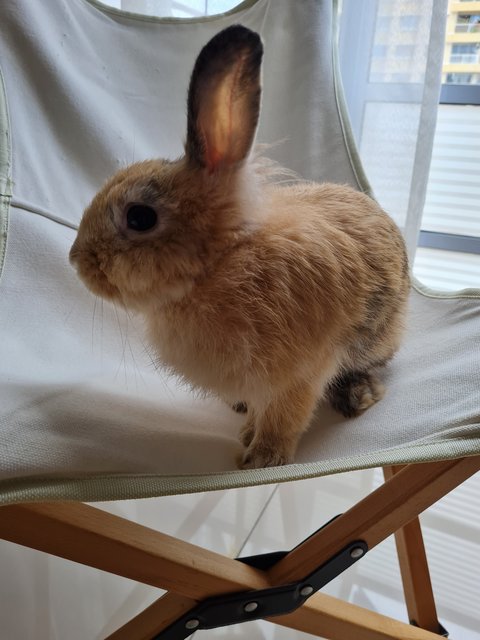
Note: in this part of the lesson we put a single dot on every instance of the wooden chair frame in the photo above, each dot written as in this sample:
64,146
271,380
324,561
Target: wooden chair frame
190,574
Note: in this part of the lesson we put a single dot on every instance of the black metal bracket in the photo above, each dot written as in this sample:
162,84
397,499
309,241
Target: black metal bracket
234,608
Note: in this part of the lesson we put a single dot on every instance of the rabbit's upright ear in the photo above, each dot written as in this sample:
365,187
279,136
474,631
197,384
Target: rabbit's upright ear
224,99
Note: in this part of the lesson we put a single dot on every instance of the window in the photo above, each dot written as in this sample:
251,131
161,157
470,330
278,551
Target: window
384,94
379,50
468,23
449,244
465,53
404,51
462,78
409,23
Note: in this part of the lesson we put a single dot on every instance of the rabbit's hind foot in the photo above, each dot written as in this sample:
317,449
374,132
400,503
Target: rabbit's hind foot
353,392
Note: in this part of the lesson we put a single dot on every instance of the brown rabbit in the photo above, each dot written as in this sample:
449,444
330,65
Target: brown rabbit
272,295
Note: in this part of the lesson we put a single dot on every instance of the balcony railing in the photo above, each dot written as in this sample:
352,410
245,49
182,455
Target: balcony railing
465,58
474,27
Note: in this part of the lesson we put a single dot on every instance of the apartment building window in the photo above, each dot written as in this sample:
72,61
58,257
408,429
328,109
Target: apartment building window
465,53
379,51
467,23
462,78
409,22
404,51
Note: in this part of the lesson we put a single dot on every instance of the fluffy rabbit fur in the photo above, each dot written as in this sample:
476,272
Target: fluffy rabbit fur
271,295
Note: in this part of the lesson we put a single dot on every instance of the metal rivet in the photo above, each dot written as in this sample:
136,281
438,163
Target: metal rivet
305,591
192,624
250,607
356,552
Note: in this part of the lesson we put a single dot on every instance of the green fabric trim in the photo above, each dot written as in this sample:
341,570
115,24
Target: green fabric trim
5,166
4,208
104,487
447,295
100,6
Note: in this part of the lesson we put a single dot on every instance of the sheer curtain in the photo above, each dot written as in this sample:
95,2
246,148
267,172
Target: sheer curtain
391,54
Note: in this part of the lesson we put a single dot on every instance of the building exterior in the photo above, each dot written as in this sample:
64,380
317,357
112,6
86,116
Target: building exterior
461,63
400,42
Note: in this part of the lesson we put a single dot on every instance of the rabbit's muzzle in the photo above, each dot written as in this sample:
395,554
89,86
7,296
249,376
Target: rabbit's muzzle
89,268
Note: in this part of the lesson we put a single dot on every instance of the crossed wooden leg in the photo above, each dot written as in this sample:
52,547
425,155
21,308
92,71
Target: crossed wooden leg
93,537
417,585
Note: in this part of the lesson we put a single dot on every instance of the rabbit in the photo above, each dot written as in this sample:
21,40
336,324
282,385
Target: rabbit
271,297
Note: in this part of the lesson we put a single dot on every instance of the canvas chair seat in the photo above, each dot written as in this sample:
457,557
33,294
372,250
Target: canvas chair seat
86,414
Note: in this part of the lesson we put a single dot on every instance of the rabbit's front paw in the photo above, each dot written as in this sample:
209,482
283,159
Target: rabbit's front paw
259,455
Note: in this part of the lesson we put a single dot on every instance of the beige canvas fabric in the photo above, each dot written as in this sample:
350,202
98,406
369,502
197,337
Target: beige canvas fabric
84,412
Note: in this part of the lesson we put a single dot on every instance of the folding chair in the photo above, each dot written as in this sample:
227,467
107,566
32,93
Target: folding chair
85,90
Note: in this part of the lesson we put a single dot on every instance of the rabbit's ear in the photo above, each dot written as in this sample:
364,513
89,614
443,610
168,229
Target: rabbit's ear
224,99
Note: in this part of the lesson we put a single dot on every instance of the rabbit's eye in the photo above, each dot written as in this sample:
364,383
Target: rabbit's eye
141,217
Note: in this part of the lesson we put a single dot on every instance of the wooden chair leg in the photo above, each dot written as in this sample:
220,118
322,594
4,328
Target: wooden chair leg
99,539
412,558
156,617
321,616
374,518
335,619
96,538
381,513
